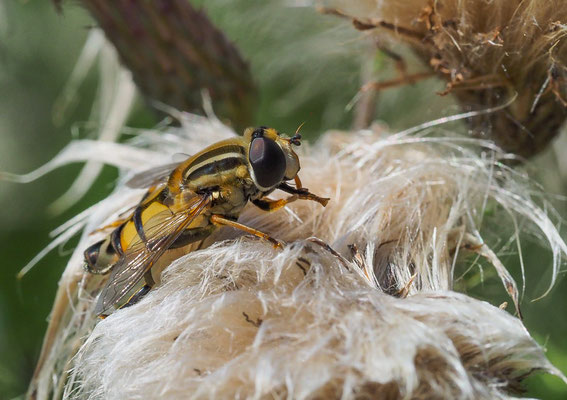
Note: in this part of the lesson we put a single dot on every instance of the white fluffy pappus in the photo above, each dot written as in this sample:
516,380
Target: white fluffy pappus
319,319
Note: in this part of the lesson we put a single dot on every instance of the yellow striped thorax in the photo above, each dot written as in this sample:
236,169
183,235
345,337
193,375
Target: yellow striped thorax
262,158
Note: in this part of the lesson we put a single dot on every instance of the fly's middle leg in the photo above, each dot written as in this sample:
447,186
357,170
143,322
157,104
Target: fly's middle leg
219,220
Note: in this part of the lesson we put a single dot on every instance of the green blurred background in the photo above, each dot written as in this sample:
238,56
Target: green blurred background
38,49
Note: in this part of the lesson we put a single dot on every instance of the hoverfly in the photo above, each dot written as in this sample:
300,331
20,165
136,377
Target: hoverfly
186,203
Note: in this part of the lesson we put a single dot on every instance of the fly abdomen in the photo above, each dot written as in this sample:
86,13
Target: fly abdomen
101,256
115,240
91,255
139,223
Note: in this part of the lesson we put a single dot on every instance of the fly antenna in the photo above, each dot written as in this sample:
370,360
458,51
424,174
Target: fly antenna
296,139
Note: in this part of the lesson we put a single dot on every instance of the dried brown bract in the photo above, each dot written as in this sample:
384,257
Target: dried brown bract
488,52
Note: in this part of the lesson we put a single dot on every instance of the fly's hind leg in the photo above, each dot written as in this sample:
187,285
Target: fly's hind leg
136,297
113,224
218,220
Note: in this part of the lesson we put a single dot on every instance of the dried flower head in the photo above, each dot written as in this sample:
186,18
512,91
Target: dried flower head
358,304
488,52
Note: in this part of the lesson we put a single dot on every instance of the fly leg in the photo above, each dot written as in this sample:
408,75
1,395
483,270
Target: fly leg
114,224
303,193
136,297
219,220
268,204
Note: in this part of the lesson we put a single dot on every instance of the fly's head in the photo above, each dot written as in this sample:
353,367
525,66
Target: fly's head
271,157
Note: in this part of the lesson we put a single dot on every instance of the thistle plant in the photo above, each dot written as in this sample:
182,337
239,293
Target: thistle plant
366,299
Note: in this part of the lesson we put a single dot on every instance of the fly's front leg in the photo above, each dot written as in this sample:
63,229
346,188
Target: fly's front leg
268,204
303,193
222,221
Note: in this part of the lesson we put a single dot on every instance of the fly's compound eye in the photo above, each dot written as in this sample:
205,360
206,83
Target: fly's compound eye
268,161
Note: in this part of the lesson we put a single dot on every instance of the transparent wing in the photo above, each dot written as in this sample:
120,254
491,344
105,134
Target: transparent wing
141,256
152,176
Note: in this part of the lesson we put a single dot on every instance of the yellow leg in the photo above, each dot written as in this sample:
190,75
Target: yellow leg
152,192
136,297
218,220
303,193
268,204
114,224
